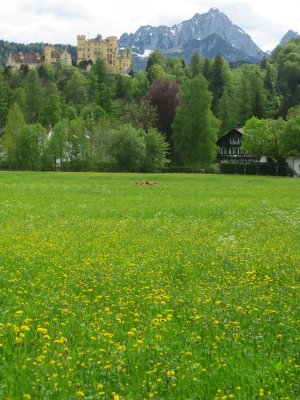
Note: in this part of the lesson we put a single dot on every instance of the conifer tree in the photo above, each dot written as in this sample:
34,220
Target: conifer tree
195,127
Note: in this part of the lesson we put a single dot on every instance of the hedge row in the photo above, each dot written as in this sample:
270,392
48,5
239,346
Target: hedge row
256,169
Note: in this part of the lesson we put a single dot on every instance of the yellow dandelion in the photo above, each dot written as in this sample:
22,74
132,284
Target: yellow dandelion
25,328
170,373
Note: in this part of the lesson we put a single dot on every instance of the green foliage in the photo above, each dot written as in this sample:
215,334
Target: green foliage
227,112
140,115
250,93
156,152
13,129
92,114
56,154
124,88
102,86
102,136
52,110
46,72
30,146
78,146
255,137
138,151
129,148
219,79
35,96
140,85
4,99
196,65
175,67
195,127
264,137
275,136
77,91
291,137
287,60
155,66
69,112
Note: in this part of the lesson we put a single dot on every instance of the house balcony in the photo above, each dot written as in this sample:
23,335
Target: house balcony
237,158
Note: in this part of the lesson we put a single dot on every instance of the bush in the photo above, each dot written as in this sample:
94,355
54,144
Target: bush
129,149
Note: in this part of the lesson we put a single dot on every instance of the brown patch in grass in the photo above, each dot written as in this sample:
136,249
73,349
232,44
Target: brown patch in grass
145,183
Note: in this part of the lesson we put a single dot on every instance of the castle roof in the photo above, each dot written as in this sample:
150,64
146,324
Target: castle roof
27,58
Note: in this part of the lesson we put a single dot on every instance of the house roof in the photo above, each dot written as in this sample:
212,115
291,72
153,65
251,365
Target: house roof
238,131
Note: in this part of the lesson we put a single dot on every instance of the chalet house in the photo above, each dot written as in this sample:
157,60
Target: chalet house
230,152
230,149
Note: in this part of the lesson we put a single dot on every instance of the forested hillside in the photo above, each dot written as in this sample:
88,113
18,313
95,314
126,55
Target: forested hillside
169,111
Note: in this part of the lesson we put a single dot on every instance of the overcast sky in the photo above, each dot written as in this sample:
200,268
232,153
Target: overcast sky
59,21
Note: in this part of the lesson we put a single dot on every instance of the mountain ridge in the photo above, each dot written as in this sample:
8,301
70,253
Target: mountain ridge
173,40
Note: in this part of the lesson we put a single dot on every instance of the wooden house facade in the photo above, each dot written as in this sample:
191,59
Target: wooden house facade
230,149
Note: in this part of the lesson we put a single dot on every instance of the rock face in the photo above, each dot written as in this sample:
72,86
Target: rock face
288,36
210,34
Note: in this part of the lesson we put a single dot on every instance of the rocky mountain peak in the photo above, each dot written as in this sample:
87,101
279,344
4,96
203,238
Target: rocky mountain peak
288,36
201,27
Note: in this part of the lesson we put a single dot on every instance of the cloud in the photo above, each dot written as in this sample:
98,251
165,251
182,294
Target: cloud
60,21
57,9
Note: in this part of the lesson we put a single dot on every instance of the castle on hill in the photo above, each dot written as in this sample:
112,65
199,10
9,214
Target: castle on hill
87,53
89,50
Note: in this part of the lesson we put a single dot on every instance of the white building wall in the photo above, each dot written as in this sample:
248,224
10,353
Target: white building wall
294,164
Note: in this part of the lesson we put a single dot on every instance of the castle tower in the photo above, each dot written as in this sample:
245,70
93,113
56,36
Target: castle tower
91,49
48,54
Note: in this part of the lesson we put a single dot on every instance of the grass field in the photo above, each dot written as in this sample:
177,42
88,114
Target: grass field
187,289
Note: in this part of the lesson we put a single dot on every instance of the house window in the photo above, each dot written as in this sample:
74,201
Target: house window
235,140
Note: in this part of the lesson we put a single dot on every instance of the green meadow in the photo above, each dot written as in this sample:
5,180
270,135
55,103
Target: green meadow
114,289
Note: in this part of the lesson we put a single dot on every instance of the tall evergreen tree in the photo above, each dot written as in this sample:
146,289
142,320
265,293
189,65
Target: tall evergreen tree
155,65
227,112
13,129
76,90
218,80
196,65
35,96
195,127
4,99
